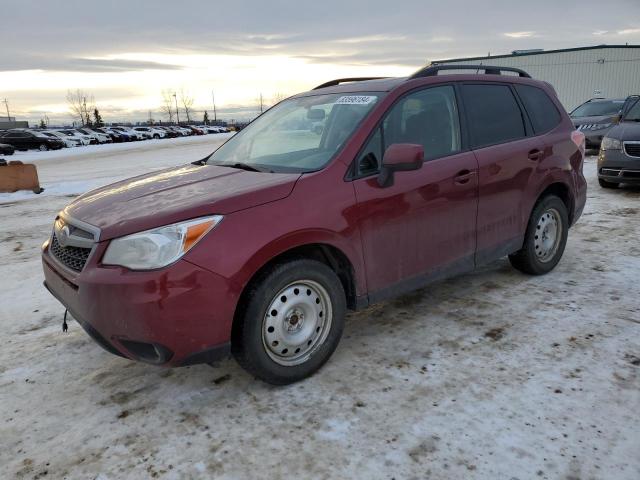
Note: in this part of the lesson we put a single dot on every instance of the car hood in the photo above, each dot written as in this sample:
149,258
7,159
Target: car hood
591,120
625,131
176,194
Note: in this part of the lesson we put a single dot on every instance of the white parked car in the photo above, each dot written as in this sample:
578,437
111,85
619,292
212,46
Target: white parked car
80,140
185,131
68,142
73,134
151,132
209,128
99,136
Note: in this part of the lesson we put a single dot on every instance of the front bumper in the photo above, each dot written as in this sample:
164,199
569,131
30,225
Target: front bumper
617,167
179,315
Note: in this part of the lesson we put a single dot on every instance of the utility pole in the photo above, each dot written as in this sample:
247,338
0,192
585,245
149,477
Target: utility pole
175,97
6,104
213,98
84,109
261,103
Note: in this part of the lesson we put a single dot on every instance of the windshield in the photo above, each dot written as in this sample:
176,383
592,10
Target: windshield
596,109
297,135
633,115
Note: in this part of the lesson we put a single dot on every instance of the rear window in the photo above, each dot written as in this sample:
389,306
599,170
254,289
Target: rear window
493,114
542,112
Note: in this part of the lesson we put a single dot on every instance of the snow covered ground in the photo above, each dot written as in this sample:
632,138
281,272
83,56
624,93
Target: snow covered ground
492,375
61,173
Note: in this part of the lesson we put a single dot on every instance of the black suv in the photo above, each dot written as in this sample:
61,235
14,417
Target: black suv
28,139
597,116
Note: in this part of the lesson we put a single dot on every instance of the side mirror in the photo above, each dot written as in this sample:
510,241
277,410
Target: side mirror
400,157
616,118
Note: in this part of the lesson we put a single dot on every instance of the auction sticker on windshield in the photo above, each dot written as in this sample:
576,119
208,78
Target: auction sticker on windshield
356,100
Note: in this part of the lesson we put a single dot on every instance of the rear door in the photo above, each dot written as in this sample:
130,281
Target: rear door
507,161
423,226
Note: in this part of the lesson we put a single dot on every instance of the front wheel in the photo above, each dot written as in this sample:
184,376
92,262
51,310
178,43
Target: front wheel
291,322
545,239
43,147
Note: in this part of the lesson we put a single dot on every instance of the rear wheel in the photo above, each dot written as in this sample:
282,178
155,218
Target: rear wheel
545,239
605,184
156,136
291,322
43,147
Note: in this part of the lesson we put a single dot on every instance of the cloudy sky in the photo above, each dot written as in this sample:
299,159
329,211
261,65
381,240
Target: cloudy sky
126,53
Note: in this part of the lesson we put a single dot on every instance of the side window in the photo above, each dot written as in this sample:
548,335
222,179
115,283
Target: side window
542,112
493,114
427,117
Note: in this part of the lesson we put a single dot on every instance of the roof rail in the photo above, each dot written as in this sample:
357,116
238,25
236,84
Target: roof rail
338,81
433,70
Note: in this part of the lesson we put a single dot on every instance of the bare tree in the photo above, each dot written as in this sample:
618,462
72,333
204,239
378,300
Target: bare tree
81,104
167,104
187,104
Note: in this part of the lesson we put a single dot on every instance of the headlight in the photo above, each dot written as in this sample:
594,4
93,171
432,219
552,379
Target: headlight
159,247
601,126
609,143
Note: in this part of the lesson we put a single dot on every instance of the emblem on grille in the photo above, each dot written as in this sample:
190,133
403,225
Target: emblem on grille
62,233
63,236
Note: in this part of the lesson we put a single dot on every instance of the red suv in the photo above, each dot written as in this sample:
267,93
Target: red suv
351,193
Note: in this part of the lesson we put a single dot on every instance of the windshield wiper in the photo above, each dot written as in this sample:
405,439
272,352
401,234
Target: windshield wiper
244,166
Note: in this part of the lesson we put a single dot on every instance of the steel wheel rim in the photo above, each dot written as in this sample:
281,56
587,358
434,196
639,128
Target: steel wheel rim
297,322
548,235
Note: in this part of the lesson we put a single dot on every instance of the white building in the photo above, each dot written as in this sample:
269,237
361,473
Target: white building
577,74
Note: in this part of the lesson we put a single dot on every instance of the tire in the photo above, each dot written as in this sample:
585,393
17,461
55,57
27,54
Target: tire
156,136
290,323
605,184
545,239
43,147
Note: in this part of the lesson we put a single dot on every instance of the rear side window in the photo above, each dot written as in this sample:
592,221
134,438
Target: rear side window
493,114
542,112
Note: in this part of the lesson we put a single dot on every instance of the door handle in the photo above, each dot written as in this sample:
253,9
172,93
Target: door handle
536,154
463,176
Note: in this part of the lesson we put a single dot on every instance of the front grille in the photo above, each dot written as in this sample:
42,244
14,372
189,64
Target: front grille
632,149
71,257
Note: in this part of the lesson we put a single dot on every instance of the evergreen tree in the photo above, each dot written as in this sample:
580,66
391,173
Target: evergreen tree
98,119
42,124
206,118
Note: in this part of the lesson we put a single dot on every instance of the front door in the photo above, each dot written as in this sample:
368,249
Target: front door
423,226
